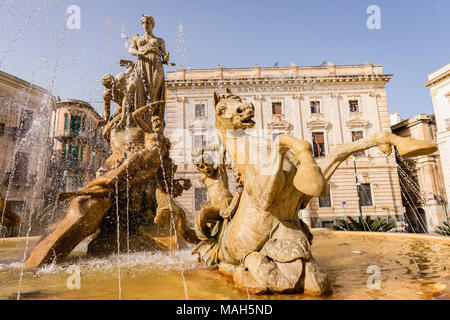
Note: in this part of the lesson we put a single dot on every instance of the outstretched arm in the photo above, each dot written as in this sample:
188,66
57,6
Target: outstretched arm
406,147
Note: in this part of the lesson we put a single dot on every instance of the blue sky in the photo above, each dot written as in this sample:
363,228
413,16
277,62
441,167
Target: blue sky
413,41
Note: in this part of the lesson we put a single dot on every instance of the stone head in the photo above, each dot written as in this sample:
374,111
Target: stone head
148,23
232,113
108,80
205,164
158,124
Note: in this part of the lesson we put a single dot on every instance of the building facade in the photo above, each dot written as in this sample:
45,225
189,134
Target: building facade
439,84
421,178
25,111
78,149
326,105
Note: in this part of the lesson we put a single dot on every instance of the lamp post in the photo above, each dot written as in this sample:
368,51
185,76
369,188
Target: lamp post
357,186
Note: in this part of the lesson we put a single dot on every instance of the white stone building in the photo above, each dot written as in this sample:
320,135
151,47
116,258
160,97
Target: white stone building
327,105
439,84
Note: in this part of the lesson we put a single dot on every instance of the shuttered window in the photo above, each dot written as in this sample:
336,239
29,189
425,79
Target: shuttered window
318,145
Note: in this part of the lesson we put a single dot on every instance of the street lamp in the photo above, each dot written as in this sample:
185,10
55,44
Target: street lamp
357,186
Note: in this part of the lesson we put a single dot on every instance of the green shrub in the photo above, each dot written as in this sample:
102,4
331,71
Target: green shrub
444,230
364,224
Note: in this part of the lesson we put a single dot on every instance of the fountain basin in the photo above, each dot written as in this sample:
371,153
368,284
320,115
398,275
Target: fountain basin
411,266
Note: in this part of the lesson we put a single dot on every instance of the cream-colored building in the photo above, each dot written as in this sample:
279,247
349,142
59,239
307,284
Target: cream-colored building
326,105
439,84
25,111
78,149
421,179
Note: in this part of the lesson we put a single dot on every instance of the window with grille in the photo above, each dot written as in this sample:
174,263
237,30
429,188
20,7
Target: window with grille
201,197
318,145
200,111
315,106
325,202
354,105
358,135
276,108
365,195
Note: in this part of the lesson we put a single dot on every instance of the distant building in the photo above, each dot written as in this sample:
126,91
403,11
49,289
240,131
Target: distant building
25,111
439,84
326,105
421,179
78,149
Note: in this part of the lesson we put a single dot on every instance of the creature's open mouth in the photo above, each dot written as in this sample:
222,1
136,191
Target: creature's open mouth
248,120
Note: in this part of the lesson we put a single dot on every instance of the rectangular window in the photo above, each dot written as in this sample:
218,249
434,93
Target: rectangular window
276,108
201,197
15,133
26,120
365,195
358,135
327,224
325,202
354,106
81,154
74,152
75,126
2,129
20,168
318,145
199,141
200,111
315,106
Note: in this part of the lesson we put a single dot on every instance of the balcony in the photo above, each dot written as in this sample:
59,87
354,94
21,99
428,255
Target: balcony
71,136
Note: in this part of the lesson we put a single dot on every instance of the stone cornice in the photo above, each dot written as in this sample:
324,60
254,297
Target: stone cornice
20,84
438,79
273,81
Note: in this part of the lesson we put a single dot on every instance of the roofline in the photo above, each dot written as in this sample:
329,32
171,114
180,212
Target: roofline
78,103
286,67
438,79
23,84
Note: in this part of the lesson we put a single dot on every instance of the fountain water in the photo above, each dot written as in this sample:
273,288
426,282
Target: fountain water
116,197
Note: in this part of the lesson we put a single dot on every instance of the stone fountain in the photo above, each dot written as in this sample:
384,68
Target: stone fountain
253,235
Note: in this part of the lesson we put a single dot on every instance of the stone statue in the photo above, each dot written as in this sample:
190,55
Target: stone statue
115,89
149,72
265,247
132,198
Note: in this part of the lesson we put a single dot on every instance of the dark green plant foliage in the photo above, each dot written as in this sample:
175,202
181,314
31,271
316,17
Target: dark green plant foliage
444,230
364,224
41,218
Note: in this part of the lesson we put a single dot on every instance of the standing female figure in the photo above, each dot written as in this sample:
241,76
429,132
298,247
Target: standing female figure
149,72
